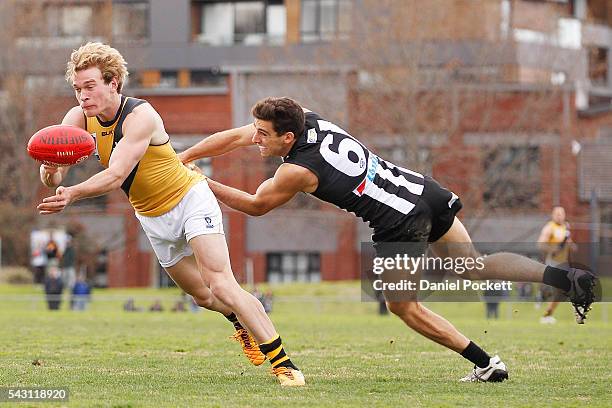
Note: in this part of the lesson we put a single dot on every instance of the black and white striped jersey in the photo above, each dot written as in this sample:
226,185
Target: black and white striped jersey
352,177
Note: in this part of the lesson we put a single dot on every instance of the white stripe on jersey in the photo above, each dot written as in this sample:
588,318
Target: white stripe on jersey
325,125
380,195
386,174
414,173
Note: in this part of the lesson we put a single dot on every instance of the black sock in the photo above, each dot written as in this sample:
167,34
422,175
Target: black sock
476,355
275,352
234,320
557,278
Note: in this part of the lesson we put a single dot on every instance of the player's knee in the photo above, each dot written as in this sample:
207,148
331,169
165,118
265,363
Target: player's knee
471,268
225,290
204,301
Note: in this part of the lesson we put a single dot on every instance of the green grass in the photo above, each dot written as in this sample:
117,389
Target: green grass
349,354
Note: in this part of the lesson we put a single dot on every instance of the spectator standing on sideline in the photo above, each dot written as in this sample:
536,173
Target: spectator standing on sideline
54,288
53,253
555,243
80,294
39,265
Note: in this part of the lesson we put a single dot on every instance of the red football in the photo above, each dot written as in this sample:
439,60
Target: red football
61,145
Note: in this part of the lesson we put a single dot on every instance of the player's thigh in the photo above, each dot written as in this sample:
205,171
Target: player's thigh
204,233
456,242
456,233
165,235
212,256
186,275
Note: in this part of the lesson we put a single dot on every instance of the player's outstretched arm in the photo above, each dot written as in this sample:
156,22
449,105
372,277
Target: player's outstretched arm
288,180
138,130
219,143
52,176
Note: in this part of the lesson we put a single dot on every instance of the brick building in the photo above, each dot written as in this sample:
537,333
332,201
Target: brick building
505,101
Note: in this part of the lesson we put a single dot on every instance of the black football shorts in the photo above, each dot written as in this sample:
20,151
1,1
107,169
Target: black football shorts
428,221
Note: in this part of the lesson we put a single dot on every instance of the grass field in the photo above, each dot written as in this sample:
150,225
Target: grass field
349,354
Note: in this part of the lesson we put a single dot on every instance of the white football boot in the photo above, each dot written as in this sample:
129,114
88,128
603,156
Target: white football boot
495,372
548,320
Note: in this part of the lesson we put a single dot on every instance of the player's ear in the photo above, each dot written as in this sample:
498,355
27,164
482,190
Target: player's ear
114,83
289,137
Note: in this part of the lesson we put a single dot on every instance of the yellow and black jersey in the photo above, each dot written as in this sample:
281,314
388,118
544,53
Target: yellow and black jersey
159,180
559,234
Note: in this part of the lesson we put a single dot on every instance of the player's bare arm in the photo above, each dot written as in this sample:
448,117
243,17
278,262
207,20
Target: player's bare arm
52,176
543,245
288,180
219,143
139,129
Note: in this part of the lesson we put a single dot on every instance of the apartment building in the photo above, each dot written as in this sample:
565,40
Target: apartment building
508,102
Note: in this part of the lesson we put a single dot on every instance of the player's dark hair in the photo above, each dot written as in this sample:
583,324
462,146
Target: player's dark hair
285,114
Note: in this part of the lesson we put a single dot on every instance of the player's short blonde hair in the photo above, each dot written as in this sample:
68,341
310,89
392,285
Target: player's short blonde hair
95,54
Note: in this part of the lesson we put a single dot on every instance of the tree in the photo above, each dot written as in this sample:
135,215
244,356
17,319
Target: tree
26,100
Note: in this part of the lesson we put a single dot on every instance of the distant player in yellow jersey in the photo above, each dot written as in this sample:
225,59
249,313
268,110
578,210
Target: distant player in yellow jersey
555,243
174,205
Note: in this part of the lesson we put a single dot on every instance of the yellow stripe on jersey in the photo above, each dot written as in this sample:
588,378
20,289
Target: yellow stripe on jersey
159,180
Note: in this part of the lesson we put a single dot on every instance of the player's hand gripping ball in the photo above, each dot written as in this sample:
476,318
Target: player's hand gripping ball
61,145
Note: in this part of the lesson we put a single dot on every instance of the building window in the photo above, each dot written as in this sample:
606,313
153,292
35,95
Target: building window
81,172
599,11
45,83
101,269
168,79
163,280
249,20
55,23
293,267
325,19
69,20
241,22
512,177
210,77
134,80
598,66
130,20
417,158
276,23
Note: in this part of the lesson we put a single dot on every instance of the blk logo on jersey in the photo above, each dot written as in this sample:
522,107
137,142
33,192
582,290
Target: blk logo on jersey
369,175
208,222
311,137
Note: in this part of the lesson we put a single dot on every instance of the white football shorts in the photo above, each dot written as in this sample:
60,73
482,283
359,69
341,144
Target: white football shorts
198,213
